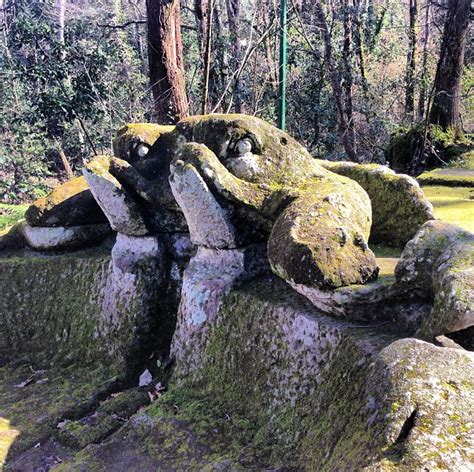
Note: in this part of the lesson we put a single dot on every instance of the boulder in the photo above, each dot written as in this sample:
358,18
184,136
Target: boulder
69,204
440,260
121,209
399,206
60,237
320,394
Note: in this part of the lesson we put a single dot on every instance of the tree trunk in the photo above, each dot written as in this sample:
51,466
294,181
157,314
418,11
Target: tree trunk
348,78
233,14
335,81
410,75
201,12
61,6
424,62
207,58
165,56
447,85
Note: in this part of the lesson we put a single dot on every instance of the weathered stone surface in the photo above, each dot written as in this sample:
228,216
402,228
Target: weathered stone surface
210,275
139,307
119,207
319,240
440,260
208,222
380,301
261,178
11,237
88,305
69,204
50,309
399,206
134,140
56,238
335,395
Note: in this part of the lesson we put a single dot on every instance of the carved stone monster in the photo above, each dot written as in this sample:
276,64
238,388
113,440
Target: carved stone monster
240,180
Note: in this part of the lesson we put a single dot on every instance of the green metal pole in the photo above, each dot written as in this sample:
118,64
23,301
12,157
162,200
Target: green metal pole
282,66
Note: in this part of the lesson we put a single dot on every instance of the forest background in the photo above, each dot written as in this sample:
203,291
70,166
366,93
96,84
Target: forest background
74,71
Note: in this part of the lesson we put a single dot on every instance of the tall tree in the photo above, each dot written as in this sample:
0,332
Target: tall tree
233,18
424,62
447,85
335,81
165,56
411,64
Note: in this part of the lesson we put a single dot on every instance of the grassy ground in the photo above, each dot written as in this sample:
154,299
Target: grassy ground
10,214
453,204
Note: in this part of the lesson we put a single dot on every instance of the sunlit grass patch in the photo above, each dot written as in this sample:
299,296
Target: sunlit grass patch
8,434
10,214
453,204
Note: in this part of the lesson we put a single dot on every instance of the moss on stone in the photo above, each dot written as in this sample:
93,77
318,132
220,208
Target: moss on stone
406,142
51,396
399,206
131,135
51,308
69,204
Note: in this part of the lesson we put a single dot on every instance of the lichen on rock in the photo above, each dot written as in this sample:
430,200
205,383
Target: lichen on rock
399,206
440,261
69,204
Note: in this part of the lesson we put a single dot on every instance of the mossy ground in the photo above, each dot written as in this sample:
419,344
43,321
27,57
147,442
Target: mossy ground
10,214
30,412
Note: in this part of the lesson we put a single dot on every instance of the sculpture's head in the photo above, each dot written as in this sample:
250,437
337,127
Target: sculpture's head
250,148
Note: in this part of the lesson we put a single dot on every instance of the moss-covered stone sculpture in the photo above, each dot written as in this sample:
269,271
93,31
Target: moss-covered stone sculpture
240,180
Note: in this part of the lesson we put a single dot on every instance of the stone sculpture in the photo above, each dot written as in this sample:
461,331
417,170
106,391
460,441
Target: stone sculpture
235,181
203,212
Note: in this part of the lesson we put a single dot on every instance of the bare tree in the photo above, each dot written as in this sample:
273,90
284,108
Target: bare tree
165,56
447,85
411,54
335,81
424,61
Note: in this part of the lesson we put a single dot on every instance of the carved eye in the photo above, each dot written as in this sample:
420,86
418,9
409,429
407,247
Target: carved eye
142,150
243,146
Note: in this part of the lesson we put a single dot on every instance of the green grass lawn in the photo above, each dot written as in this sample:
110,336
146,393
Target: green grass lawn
453,204
10,214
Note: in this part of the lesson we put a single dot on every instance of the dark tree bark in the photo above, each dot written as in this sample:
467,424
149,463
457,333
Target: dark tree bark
165,56
411,54
424,63
201,11
348,78
447,85
233,14
335,81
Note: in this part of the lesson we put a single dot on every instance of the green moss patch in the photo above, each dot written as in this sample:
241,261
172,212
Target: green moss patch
51,308
33,402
